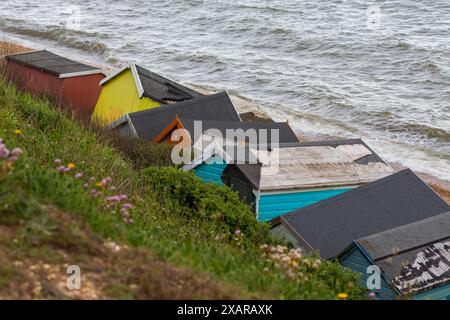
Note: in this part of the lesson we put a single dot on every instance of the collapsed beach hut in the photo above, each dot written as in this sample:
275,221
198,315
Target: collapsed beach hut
250,132
133,89
414,259
152,124
43,73
331,225
295,175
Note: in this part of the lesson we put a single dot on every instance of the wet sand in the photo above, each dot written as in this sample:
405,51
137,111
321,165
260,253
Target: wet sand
252,112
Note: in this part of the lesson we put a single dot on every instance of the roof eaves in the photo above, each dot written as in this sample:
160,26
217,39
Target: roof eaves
80,74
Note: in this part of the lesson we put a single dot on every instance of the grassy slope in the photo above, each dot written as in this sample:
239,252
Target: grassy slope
47,220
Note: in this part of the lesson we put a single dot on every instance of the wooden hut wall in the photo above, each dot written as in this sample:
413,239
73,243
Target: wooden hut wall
118,97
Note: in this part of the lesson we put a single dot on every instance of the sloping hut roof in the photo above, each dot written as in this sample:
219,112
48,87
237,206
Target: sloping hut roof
414,257
148,124
54,64
320,164
154,86
332,224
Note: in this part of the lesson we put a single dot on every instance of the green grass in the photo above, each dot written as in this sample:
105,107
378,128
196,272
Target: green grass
178,218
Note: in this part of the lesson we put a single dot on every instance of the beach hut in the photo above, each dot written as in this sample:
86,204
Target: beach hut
154,124
43,73
297,175
133,89
236,130
331,225
414,259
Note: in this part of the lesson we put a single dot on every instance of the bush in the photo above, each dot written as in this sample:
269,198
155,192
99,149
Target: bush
198,200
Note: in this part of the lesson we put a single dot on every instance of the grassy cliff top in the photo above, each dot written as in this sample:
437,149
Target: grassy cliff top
72,195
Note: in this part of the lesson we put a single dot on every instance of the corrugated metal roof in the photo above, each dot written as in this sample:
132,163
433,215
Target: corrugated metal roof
331,225
415,256
149,123
318,166
51,63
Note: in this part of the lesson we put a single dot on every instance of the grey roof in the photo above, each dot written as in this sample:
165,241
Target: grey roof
331,225
50,62
415,256
286,134
318,164
149,123
163,90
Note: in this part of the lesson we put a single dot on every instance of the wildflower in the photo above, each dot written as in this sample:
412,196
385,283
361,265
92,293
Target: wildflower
123,197
91,179
4,152
86,185
237,232
127,206
113,198
78,175
99,184
373,295
61,169
342,296
71,165
94,193
57,161
18,132
16,152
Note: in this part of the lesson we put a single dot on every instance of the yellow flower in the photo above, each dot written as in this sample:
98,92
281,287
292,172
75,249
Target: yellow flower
342,296
71,165
18,132
99,184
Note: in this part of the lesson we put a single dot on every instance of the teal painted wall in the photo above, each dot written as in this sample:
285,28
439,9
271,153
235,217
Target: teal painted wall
356,261
438,293
274,205
211,172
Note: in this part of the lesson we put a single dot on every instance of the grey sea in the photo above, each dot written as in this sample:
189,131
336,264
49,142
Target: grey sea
379,70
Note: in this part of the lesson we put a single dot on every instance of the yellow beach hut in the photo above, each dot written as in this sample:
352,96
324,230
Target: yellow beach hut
133,88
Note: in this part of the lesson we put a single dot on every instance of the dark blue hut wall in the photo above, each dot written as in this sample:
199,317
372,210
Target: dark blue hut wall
356,261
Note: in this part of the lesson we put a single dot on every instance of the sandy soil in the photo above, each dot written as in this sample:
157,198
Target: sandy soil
252,112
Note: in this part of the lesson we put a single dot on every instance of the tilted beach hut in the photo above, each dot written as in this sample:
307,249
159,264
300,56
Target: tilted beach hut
42,73
297,175
331,225
132,89
414,259
151,124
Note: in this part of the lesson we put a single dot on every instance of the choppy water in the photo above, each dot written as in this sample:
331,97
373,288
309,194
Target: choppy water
379,70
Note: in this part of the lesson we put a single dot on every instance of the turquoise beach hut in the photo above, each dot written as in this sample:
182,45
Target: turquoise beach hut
296,175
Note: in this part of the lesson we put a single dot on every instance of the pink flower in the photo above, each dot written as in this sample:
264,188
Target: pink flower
16,152
113,198
94,193
86,185
373,295
237,232
78,175
127,206
57,161
123,197
61,169
4,152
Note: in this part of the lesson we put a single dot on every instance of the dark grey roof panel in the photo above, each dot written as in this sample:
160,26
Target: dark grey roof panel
161,89
149,123
284,129
407,237
331,225
50,62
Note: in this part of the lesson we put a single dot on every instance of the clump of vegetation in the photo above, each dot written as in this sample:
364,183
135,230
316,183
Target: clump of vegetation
190,197
177,220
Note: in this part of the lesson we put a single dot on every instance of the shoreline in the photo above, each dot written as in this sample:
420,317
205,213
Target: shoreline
250,111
